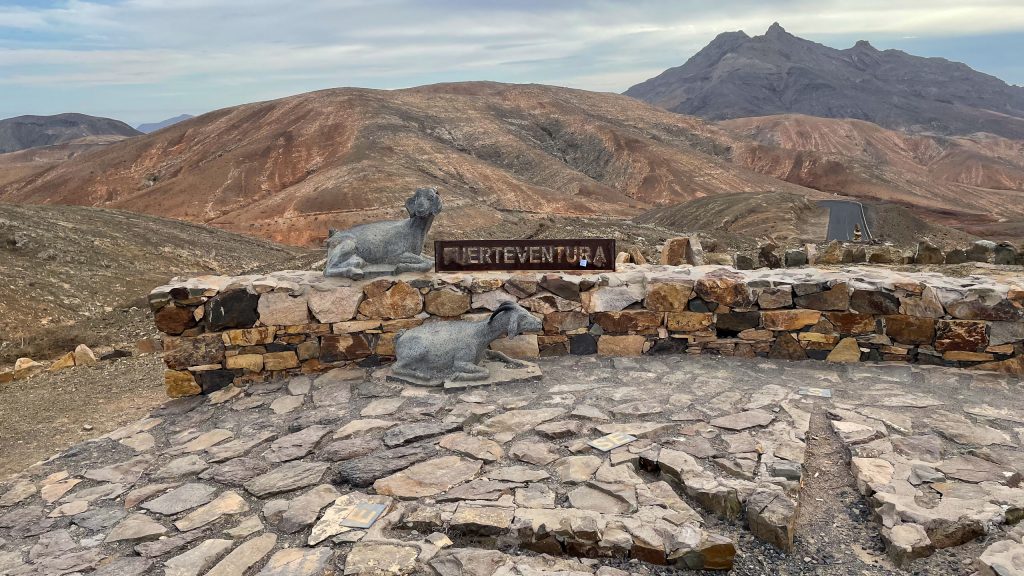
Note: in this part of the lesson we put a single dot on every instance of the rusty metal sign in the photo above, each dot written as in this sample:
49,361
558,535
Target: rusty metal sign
536,254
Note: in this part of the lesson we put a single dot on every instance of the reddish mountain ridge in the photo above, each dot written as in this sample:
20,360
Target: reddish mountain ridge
500,154
977,174
288,169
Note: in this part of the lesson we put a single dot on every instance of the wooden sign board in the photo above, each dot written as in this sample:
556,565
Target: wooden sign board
597,254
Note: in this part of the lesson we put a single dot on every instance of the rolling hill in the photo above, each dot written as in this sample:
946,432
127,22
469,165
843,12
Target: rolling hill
980,174
289,169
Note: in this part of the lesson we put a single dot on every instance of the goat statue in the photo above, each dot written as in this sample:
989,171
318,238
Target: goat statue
388,247
439,352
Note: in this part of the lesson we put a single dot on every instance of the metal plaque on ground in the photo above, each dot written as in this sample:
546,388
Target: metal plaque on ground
481,255
363,515
612,441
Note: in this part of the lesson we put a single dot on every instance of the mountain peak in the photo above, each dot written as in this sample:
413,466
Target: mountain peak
779,73
776,31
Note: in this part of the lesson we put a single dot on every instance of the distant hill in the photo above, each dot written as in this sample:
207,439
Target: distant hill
737,76
154,126
23,132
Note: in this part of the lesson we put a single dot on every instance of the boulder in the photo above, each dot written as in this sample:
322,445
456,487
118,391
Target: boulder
906,542
848,350
1005,254
180,383
928,253
835,298
724,290
621,345
768,256
956,256
174,320
202,350
283,309
231,309
910,329
981,251
771,516
84,356
745,261
1004,558
832,254
795,258
965,335
330,305
447,302
668,296
399,301
683,251
786,347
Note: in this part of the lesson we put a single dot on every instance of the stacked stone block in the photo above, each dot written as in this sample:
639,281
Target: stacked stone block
224,330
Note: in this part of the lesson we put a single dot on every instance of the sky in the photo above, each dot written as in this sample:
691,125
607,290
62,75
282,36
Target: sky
146,60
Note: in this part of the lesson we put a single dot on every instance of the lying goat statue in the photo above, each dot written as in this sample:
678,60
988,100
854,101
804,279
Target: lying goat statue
443,351
389,247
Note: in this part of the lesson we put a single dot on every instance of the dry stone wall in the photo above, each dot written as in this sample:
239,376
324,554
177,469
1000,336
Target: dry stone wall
222,330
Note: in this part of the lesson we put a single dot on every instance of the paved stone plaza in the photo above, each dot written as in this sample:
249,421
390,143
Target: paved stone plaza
502,480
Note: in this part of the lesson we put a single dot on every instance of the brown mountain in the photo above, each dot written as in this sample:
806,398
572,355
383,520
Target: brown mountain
288,169
736,76
980,174
23,132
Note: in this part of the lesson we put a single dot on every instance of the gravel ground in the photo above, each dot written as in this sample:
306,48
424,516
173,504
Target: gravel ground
63,408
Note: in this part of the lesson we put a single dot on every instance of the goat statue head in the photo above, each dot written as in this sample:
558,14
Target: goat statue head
519,319
423,203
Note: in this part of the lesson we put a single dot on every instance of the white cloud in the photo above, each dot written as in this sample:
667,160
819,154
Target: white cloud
193,46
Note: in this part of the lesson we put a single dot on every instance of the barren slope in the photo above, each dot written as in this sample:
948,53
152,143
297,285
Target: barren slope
72,274
289,169
24,164
975,175
734,217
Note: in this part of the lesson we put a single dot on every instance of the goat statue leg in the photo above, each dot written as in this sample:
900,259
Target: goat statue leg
410,375
502,357
343,261
467,371
409,262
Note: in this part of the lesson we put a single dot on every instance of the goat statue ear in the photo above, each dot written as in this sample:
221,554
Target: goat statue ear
513,326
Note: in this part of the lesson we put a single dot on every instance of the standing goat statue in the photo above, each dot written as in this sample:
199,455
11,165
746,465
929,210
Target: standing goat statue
434,353
385,248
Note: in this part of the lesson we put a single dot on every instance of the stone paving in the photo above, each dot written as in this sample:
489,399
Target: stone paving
280,478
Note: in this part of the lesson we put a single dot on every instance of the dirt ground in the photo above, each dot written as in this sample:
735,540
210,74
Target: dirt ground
63,408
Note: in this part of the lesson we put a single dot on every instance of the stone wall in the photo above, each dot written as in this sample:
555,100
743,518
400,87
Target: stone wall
222,330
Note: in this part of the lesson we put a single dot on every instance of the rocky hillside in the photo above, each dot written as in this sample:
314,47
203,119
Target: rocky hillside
73,274
733,218
288,169
737,76
23,132
973,175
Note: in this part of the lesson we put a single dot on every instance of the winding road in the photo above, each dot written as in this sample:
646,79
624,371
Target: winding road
843,215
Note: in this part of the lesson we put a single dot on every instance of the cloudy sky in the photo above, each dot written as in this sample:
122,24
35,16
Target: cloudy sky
145,60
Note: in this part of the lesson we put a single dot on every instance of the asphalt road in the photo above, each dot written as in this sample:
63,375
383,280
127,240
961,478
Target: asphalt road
843,215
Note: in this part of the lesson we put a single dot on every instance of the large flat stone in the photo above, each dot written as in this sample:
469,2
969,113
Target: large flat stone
428,478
